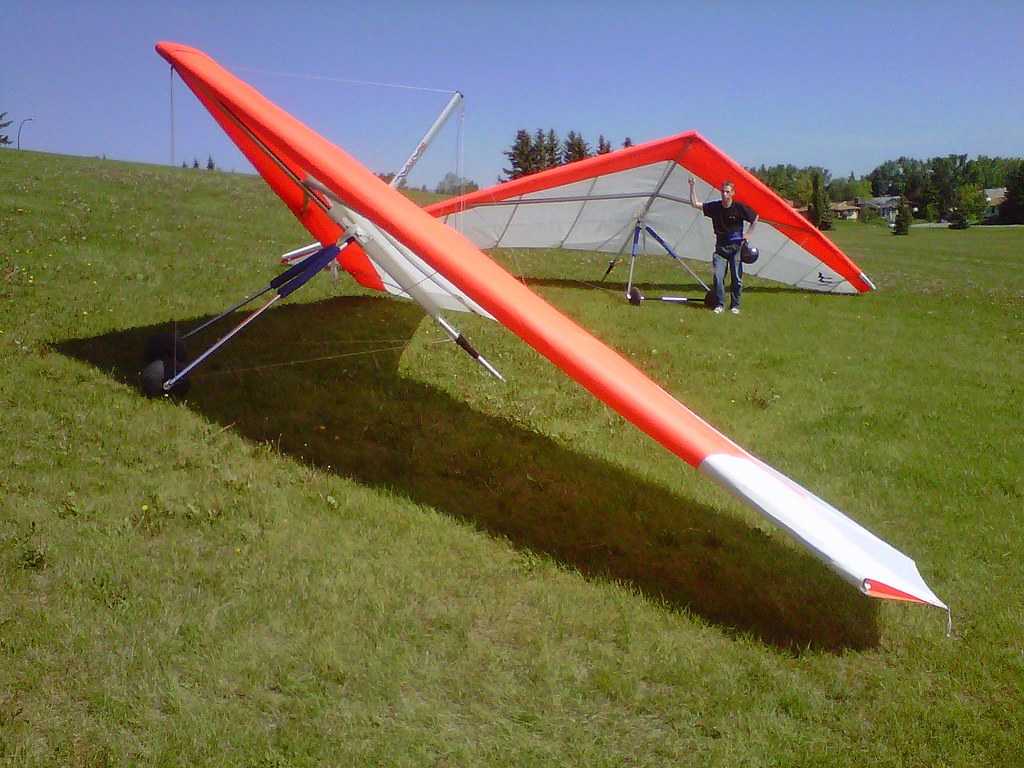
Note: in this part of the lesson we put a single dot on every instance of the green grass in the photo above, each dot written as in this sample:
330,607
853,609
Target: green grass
391,559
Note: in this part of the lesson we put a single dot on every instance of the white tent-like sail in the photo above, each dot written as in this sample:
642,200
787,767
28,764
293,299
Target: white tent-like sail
595,204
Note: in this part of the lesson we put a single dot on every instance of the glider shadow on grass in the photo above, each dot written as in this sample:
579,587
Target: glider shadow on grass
358,417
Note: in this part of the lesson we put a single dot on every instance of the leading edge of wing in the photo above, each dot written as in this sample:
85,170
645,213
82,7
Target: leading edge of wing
696,155
594,365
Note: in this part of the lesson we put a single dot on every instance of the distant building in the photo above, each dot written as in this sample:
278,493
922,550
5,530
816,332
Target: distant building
845,210
803,210
887,207
993,199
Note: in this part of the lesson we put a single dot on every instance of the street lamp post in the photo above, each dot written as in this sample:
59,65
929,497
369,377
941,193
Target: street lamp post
26,120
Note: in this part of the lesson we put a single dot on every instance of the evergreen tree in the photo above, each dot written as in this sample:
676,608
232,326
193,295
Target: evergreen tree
184,164
1012,209
209,163
4,139
628,142
521,157
540,160
551,154
819,211
603,145
195,162
575,148
903,217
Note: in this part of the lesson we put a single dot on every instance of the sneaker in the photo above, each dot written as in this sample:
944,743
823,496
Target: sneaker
719,309
735,310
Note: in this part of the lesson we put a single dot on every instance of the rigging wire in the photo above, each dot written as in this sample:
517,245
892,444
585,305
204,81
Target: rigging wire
459,157
459,170
171,91
174,323
324,358
304,76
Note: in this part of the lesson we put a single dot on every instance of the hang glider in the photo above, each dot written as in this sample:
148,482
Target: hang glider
389,243
603,203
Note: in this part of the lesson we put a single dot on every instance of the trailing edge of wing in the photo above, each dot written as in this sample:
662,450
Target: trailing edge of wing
877,568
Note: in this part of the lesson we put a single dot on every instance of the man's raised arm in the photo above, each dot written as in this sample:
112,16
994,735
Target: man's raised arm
693,196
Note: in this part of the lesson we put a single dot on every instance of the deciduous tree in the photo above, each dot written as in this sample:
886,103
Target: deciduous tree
970,201
453,184
947,174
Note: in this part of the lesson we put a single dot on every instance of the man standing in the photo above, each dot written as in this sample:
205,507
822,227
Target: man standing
727,216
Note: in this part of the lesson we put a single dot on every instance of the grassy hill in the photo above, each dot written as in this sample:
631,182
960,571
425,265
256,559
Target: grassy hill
349,546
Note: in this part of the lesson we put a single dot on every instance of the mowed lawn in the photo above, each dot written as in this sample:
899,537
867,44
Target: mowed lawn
347,545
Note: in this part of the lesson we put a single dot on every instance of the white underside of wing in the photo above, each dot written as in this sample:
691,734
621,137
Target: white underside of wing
598,214
401,271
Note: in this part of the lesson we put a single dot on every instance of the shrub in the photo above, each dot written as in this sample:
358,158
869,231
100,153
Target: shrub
903,216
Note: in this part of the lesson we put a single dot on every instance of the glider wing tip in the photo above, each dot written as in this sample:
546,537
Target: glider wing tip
879,589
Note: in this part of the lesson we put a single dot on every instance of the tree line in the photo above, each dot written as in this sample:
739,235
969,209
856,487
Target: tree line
949,187
210,165
952,187
542,149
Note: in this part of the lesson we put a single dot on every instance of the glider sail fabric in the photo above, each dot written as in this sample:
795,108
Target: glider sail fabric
594,205
335,196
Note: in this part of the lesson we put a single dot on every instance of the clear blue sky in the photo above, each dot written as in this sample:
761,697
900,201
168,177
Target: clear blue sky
845,86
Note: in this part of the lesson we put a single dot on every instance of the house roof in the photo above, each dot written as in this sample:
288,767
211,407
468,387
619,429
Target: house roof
890,201
995,196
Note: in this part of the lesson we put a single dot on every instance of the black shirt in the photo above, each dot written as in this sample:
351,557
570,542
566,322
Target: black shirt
728,222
